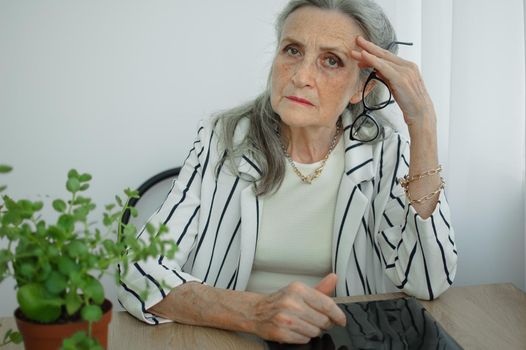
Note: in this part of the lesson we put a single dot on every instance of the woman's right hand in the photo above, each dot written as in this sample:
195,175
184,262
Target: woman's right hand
297,313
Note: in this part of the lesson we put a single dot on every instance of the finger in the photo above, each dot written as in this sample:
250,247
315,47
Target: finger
357,55
327,284
292,322
316,318
378,51
305,328
325,305
383,67
288,336
363,61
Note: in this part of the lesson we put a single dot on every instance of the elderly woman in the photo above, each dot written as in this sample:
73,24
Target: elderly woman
303,193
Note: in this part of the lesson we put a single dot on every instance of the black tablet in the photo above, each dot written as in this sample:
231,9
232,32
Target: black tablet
387,324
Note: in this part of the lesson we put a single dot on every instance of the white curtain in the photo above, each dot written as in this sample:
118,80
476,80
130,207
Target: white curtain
471,55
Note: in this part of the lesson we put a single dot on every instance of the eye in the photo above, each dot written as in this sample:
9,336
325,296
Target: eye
332,62
291,50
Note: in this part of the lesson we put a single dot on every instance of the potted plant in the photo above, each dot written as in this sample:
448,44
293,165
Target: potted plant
57,264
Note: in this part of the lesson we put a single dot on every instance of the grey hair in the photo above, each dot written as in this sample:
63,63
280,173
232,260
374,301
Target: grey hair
262,141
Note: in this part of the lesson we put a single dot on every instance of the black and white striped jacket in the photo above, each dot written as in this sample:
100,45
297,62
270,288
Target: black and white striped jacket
379,241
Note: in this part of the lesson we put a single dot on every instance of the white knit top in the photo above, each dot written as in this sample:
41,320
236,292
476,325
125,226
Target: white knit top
295,238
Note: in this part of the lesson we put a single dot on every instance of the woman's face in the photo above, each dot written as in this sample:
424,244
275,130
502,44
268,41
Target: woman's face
313,76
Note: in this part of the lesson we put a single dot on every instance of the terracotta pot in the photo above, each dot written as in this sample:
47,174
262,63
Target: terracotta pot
40,336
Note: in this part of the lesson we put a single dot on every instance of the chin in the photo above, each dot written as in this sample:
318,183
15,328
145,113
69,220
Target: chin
294,119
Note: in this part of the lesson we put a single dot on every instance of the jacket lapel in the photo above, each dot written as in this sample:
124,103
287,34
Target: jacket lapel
250,223
250,209
351,203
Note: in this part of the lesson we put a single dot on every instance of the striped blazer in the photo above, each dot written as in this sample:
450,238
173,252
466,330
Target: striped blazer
379,242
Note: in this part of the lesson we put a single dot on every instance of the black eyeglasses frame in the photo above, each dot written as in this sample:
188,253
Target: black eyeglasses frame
365,116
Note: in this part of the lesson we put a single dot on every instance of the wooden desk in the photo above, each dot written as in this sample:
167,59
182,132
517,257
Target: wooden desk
478,317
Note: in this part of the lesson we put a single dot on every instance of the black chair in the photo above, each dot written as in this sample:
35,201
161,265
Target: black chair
154,191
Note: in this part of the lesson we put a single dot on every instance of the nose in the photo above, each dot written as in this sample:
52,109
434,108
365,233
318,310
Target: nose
304,74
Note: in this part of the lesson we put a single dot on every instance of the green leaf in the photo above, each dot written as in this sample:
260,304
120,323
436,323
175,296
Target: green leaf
37,206
55,283
4,169
103,264
109,245
81,200
12,337
67,266
134,212
73,302
94,290
90,262
84,187
11,218
77,249
131,193
45,270
2,188
106,220
150,228
81,341
41,229
26,270
59,205
81,213
119,200
130,230
52,252
163,229
56,233
66,222
37,304
73,185
73,174
109,207
91,313
76,278
26,208
85,177
16,337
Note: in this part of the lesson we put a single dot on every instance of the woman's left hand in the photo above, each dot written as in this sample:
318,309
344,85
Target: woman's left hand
403,78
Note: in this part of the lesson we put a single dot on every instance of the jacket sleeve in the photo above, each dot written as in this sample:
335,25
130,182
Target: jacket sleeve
180,212
419,255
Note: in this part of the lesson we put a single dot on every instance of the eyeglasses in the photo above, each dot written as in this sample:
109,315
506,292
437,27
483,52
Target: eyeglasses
365,128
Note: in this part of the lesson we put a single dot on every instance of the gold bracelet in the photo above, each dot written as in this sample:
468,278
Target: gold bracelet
406,180
427,196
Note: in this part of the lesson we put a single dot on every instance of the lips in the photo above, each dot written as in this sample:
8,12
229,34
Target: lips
300,100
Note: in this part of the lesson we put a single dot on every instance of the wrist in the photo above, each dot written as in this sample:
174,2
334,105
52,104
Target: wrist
424,126
248,310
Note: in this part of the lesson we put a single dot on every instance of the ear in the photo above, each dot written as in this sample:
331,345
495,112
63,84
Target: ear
357,97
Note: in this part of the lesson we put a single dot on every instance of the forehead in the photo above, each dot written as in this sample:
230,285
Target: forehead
328,27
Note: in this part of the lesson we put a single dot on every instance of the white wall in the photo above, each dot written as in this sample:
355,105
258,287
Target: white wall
486,149
116,88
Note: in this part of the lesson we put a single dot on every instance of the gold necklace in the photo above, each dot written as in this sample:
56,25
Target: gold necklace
317,172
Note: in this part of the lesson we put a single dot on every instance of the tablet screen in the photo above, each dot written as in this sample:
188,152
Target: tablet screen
388,324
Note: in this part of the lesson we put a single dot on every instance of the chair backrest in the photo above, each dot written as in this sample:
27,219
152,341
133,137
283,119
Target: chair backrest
152,194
